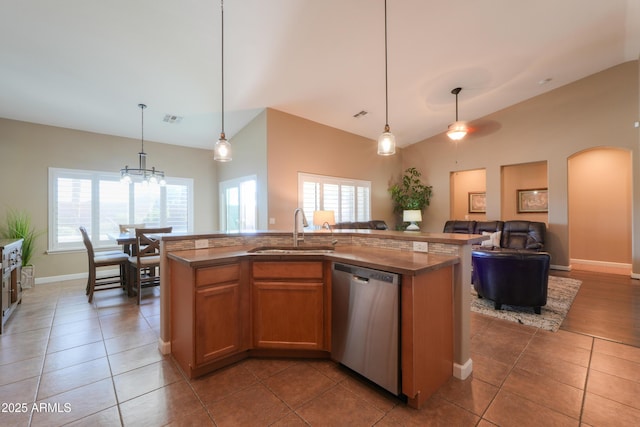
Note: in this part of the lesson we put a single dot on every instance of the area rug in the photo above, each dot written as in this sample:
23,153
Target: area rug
560,296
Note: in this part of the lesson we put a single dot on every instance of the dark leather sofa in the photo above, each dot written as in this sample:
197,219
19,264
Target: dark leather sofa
375,224
515,235
515,272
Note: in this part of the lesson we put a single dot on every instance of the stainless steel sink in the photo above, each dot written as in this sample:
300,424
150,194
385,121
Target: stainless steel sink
292,250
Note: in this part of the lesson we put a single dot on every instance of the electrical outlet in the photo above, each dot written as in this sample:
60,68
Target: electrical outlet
202,243
272,221
421,246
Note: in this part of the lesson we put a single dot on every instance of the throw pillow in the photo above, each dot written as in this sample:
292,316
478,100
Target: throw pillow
493,241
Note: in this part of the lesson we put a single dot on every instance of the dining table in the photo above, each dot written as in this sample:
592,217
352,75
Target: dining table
128,241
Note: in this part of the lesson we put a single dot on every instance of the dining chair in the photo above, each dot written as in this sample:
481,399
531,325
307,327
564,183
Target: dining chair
144,267
125,228
104,259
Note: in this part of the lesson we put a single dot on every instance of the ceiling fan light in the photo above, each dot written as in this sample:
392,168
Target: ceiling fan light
457,130
222,150
386,143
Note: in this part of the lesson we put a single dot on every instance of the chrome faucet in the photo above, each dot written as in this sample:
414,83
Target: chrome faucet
296,239
328,227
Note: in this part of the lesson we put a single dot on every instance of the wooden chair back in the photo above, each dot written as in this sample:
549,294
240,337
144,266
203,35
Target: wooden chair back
87,244
125,228
147,242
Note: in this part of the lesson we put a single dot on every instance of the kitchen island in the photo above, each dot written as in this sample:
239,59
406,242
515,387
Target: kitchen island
255,298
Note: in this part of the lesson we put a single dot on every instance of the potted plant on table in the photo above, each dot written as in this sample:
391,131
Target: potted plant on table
410,194
18,225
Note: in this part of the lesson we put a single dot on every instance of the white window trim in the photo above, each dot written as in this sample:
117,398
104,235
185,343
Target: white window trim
326,179
95,176
234,182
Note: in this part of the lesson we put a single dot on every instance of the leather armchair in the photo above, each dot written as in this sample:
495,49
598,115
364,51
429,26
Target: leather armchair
512,277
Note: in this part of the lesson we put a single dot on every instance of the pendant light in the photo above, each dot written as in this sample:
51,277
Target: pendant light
386,141
222,150
149,176
459,129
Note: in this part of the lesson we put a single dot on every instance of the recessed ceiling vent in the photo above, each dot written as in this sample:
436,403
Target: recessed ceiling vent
360,114
170,118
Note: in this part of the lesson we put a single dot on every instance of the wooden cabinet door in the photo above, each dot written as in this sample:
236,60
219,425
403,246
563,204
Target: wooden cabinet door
218,322
288,315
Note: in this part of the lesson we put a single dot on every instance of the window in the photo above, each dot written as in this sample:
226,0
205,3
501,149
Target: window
350,199
99,202
238,204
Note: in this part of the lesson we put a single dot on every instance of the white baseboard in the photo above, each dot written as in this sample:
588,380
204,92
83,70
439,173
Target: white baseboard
75,276
560,267
462,372
600,263
164,346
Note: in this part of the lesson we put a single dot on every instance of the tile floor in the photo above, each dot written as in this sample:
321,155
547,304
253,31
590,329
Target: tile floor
66,362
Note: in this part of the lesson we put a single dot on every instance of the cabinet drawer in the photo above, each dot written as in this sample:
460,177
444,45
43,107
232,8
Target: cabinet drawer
218,274
287,270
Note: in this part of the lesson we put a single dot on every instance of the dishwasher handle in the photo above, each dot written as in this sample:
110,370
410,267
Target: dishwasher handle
366,273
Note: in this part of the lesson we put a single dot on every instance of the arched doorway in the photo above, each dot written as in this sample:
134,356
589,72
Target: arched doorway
600,209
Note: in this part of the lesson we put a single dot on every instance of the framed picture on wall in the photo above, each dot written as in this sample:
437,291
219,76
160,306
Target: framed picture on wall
533,200
478,202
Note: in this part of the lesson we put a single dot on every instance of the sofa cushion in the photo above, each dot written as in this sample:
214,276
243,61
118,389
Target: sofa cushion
490,226
494,239
460,227
523,235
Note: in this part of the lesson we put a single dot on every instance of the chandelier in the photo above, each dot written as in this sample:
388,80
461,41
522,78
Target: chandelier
148,176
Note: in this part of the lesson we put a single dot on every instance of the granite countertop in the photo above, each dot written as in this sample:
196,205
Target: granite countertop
395,261
449,238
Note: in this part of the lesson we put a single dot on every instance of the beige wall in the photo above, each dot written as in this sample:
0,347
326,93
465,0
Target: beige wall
463,183
299,145
28,150
250,158
527,176
596,111
600,193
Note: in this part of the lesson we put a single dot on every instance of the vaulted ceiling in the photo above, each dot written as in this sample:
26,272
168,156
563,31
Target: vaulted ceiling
87,64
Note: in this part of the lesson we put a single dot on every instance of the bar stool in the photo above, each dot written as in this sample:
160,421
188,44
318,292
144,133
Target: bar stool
107,259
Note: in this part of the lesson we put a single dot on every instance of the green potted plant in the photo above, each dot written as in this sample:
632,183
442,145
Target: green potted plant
410,194
18,225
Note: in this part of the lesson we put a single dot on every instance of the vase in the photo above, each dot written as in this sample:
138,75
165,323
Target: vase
28,276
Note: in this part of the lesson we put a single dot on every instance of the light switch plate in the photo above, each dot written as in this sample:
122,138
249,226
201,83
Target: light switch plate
421,246
202,243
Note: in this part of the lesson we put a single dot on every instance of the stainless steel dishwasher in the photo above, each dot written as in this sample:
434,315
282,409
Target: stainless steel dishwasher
365,323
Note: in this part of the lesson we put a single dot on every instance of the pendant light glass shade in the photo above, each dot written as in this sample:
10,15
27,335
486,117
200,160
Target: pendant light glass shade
386,141
222,150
